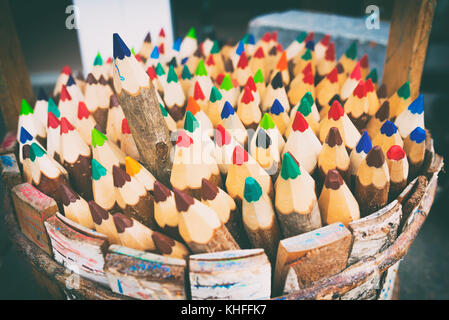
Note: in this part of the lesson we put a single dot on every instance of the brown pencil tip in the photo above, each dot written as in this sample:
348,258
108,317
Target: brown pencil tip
208,190
68,195
102,81
384,111
375,158
113,101
382,92
91,79
119,176
334,138
163,243
160,192
26,151
100,128
122,222
333,180
183,200
98,213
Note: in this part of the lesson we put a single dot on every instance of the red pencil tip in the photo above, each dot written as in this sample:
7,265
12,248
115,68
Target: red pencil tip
64,94
251,84
279,48
66,126
183,139
330,52
125,127
66,70
161,48
333,75
239,156
243,61
162,33
247,95
310,37
83,112
52,121
336,111
369,86
151,73
326,39
360,90
198,93
395,153
364,62
210,61
356,73
300,123
109,60
259,54
266,37
222,137
274,36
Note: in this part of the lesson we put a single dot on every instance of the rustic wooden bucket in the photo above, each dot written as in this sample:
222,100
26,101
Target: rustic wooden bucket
379,242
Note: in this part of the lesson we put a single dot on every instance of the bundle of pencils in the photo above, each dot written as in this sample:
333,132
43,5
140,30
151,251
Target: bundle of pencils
196,147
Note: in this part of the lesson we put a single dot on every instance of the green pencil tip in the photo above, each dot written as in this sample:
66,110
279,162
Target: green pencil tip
267,122
159,70
301,37
98,138
98,170
163,110
351,52
215,48
215,95
305,105
258,77
404,91
191,33
172,76
226,84
98,60
201,69
132,51
53,108
289,169
190,122
307,55
186,73
36,151
253,191
373,75
26,108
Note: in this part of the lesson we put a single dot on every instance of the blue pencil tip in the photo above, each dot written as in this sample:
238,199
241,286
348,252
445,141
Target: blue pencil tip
364,144
418,135
42,95
120,48
184,60
240,48
155,53
276,108
417,106
227,110
251,39
177,44
71,81
25,135
310,45
389,128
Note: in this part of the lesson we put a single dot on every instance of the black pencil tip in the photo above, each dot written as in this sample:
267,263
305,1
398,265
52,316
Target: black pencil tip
120,48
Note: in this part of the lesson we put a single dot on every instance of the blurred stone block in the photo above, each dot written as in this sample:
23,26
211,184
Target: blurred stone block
343,31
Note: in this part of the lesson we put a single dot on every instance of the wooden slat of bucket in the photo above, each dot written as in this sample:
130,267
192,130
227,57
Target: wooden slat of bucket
10,170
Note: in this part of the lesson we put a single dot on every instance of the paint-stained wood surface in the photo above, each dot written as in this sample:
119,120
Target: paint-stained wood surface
77,248
375,232
143,275
410,28
10,170
14,79
305,253
32,209
9,143
387,289
230,275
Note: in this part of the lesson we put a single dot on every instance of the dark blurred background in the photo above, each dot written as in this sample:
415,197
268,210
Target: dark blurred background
47,45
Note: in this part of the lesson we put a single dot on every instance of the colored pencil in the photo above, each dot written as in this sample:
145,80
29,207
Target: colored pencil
67,106
336,117
327,63
189,167
296,202
351,82
333,155
326,89
248,110
364,65
303,144
98,69
269,125
275,90
228,91
29,121
174,97
76,157
308,109
348,60
80,81
321,47
224,146
133,198
103,186
374,78
259,219
200,227
165,213
192,61
235,54
411,117
74,91
336,202
358,154
46,175
376,122
62,79
211,66
189,44
259,80
415,148
388,136
25,138
231,122
169,121
199,96
215,107
104,222
146,48
104,151
41,109
75,207
257,62
226,209
135,235
296,46
243,70
204,145
140,173
127,143
373,99
400,100
194,108
85,123
218,58
266,152
204,82
398,168
243,166
114,120
153,58
282,67
53,131
27,164
357,106
372,182
96,99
